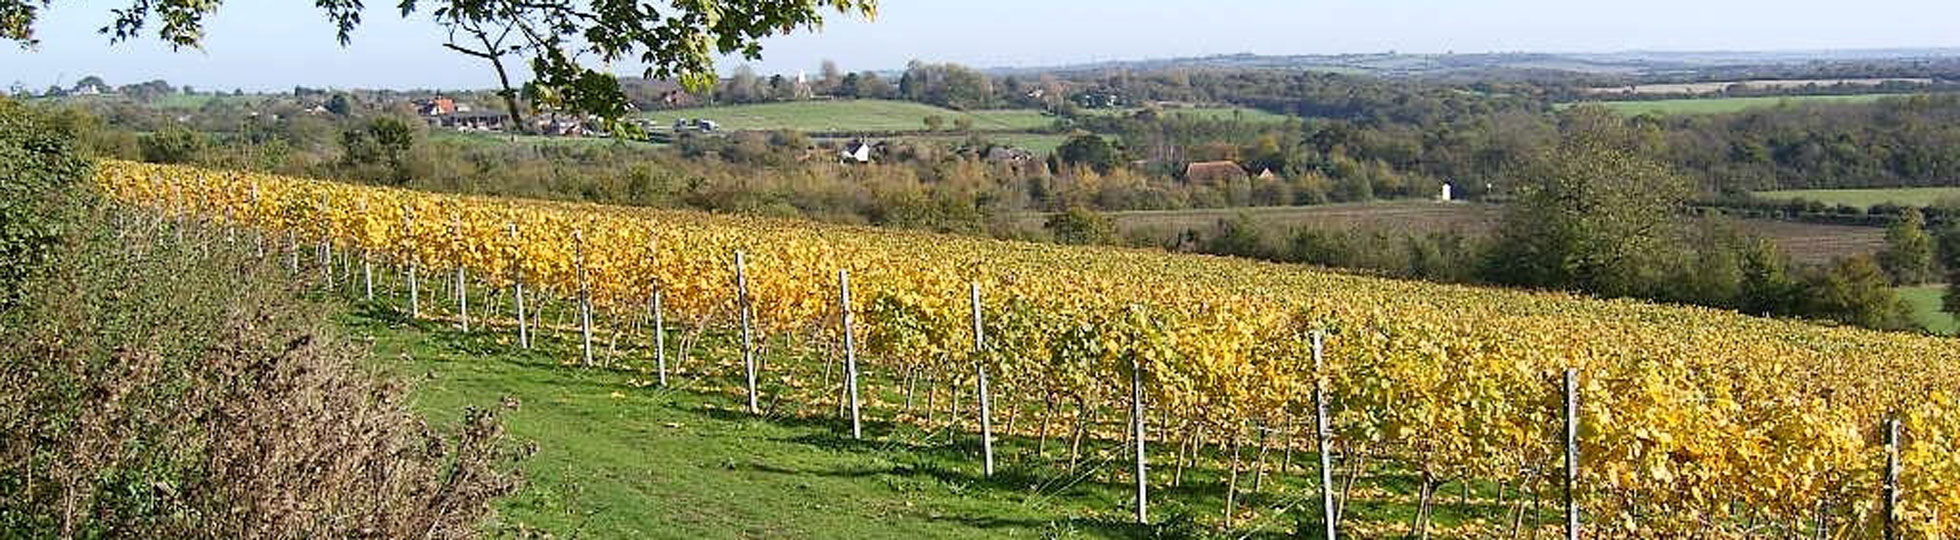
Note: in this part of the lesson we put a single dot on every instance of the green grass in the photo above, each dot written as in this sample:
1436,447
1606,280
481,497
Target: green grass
620,457
1926,308
1208,113
1866,198
493,139
1039,143
1725,105
172,100
851,115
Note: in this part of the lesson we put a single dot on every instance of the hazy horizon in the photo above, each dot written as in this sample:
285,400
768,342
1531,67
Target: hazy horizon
390,52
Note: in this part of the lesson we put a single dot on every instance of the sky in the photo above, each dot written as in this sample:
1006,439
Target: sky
277,44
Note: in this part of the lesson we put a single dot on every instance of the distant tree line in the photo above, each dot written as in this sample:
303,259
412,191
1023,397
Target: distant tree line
1595,217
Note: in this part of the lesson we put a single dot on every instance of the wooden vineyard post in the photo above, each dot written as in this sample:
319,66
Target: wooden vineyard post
584,298
1232,482
657,312
326,270
1137,424
1571,453
462,285
748,338
850,351
414,292
659,335
1323,435
463,297
414,261
517,290
292,250
258,237
367,273
986,408
1891,502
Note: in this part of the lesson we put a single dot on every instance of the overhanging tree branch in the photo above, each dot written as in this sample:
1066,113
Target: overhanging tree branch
675,41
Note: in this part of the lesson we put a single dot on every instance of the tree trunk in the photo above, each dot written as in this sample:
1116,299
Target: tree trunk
1183,449
1232,483
1075,445
1259,466
1427,494
911,383
1041,448
1355,470
1286,459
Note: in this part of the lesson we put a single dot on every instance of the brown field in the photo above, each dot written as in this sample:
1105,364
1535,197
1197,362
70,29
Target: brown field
1718,86
1818,244
1806,243
1394,215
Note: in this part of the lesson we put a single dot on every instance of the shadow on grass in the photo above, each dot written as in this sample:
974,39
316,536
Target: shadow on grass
944,456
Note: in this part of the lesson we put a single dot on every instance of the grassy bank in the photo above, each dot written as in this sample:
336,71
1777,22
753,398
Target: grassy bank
617,456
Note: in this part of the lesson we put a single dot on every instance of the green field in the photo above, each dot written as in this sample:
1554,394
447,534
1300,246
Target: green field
1808,243
1039,143
172,100
851,115
620,457
1866,198
1208,113
1725,105
1227,113
1926,308
493,139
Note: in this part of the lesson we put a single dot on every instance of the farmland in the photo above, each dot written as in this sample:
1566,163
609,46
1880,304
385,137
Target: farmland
621,459
1866,198
1205,112
858,115
500,139
1774,84
1927,309
1805,242
1024,128
1218,339
1691,106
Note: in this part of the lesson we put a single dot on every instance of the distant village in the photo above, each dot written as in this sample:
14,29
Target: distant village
483,112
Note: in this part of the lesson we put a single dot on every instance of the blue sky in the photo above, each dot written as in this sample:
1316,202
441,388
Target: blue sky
275,44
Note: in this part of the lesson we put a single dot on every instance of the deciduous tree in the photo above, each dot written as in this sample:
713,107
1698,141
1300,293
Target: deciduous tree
1591,215
1908,254
558,41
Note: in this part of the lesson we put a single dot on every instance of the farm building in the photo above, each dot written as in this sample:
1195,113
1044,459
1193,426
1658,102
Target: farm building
437,107
856,152
471,121
1214,172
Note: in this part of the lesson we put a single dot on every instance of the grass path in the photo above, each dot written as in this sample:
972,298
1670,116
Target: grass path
619,457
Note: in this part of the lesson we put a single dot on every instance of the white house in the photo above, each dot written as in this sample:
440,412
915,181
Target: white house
856,152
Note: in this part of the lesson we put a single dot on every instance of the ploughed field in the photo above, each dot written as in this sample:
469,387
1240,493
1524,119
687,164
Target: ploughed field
1809,243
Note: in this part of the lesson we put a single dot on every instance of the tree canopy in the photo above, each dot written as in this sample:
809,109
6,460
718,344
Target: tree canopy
557,39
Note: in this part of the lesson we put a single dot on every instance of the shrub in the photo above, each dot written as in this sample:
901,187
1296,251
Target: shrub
38,170
166,389
1081,226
